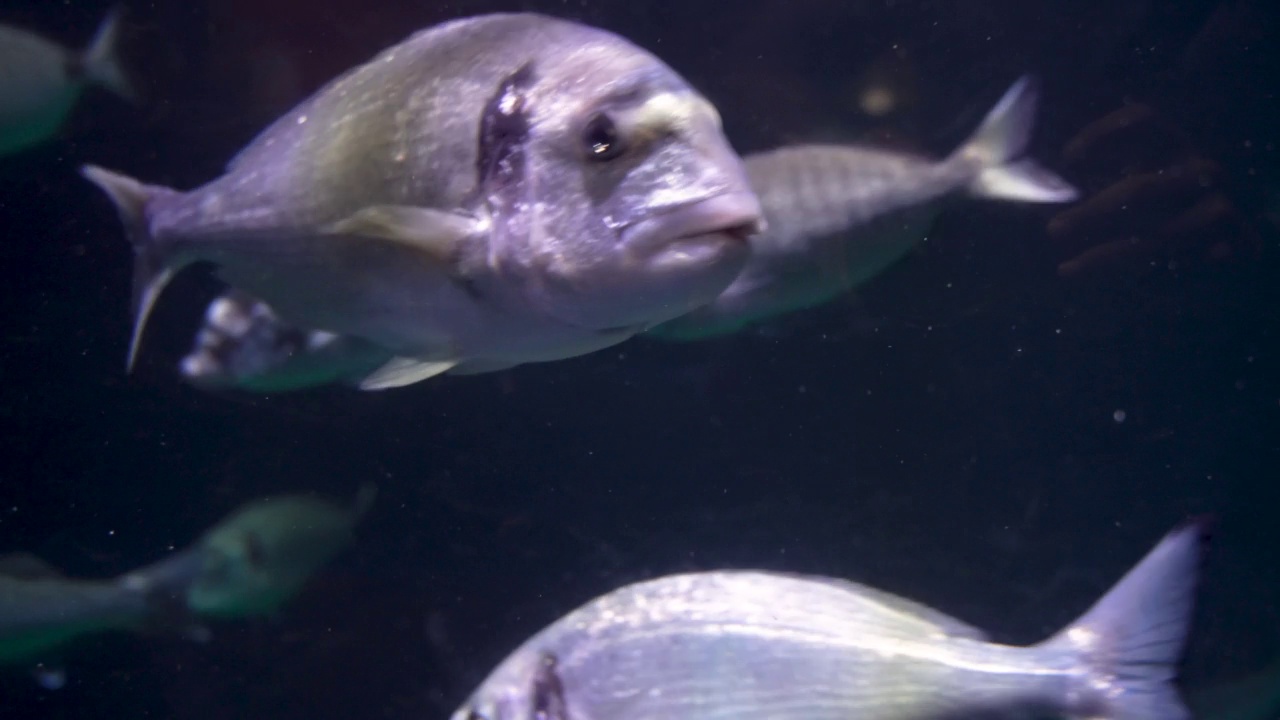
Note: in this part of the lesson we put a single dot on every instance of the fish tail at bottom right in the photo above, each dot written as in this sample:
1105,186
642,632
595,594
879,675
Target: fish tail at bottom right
1132,639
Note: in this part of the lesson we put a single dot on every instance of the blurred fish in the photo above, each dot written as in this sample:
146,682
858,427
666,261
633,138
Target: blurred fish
495,190
41,611
41,81
838,215
746,645
258,559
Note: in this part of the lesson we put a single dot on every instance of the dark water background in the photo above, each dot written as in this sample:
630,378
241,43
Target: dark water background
950,435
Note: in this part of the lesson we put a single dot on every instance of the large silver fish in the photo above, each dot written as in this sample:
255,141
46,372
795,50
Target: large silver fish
838,215
748,645
495,190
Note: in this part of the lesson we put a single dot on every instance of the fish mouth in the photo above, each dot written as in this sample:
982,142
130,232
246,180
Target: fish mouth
735,216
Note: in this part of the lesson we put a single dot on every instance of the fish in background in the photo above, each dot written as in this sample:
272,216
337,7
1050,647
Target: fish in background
41,81
836,216
260,557
42,611
745,645
492,191
250,564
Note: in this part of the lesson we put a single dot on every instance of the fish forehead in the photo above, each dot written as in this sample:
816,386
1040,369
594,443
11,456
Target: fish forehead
402,128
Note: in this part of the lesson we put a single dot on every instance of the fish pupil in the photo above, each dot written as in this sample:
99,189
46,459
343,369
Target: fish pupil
601,138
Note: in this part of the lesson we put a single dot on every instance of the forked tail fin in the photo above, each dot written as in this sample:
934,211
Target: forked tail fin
1131,640
101,60
997,147
151,271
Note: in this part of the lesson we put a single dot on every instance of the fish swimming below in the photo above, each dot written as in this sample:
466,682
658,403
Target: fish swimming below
259,558
836,216
249,564
495,190
41,611
745,645
41,81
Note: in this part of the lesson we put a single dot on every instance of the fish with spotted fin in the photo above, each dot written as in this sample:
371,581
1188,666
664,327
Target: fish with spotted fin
495,190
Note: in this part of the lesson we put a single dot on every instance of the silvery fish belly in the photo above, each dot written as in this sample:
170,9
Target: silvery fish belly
838,215
756,645
495,190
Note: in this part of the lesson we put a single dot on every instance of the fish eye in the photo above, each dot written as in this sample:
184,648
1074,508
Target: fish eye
473,714
601,139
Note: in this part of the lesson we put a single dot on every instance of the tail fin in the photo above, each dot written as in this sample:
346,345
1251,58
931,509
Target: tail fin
150,271
100,61
997,146
1132,638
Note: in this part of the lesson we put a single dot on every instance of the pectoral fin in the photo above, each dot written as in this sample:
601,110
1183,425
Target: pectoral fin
435,232
403,371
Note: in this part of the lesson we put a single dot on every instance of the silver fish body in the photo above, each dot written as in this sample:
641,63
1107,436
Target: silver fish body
501,189
747,645
838,215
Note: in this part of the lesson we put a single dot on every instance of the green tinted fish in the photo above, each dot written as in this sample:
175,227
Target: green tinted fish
41,610
40,81
258,559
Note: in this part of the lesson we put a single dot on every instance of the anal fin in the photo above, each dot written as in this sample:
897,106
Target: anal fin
401,371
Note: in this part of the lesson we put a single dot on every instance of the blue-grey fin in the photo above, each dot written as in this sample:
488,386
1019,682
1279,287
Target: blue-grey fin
436,232
25,566
151,271
997,146
479,367
403,371
1131,641
100,62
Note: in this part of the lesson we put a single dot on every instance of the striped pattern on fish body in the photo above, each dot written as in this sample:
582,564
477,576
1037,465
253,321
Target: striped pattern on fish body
838,215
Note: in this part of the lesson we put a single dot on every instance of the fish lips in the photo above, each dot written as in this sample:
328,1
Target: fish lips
716,224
